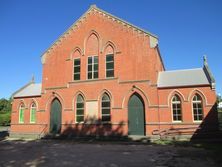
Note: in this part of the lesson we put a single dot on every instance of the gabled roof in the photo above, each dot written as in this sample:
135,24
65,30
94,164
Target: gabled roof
31,89
181,78
94,8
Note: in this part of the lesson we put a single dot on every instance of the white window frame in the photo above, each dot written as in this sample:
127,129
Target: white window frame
176,102
113,66
87,71
80,108
199,102
106,108
31,108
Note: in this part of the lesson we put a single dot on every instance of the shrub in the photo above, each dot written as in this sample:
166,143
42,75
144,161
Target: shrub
5,119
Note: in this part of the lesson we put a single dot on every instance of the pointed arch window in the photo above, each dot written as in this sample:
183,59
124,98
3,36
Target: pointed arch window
197,108
79,109
33,113
21,113
105,108
176,107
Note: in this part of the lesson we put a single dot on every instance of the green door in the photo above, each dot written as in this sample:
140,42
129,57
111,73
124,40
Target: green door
136,116
55,117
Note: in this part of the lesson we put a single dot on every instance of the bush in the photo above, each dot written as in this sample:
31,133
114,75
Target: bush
5,119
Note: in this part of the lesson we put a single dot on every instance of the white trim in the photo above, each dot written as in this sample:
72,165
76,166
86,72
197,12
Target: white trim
101,114
172,114
84,113
201,102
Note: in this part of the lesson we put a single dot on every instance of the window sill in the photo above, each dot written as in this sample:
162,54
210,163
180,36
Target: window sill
177,122
198,121
93,80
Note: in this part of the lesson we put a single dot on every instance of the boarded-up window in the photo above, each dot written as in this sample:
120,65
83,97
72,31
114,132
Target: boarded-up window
33,113
21,113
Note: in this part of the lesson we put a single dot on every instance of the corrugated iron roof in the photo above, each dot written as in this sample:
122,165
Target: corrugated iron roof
31,89
188,77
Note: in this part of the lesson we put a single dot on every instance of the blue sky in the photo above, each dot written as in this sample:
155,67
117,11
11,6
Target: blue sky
187,29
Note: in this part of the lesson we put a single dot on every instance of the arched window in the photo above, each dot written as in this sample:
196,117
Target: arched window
105,108
197,108
33,113
79,109
21,113
176,107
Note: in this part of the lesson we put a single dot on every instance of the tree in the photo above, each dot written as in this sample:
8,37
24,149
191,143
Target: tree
5,112
5,105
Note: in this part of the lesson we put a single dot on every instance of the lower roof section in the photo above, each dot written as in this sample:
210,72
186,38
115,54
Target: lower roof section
31,89
181,78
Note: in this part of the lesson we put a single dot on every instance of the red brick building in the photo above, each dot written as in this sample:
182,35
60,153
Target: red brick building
105,76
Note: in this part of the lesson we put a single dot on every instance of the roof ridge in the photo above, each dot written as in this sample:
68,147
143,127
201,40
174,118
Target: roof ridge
189,69
22,88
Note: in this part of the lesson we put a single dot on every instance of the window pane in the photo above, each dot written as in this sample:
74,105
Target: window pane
90,68
90,75
96,60
95,67
105,104
80,112
109,57
106,118
95,74
77,69
79,118
105,111
89,60
76,62
110,65
110,73
76,76
80,105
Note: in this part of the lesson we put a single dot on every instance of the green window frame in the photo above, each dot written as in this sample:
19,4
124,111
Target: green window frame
21,113
80,109
93,67
33,113
197,108
176,108
109,65
77,69
106,108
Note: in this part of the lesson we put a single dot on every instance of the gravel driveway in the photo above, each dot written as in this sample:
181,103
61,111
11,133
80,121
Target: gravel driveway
71,153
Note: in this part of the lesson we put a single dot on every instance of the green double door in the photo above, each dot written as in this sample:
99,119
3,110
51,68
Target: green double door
136,119
55,117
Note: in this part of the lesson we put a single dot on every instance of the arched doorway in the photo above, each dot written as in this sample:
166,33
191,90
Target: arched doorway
55,116
136,118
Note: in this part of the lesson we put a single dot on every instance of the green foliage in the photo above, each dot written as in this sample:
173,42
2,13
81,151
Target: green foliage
5,105
5,119
5,112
